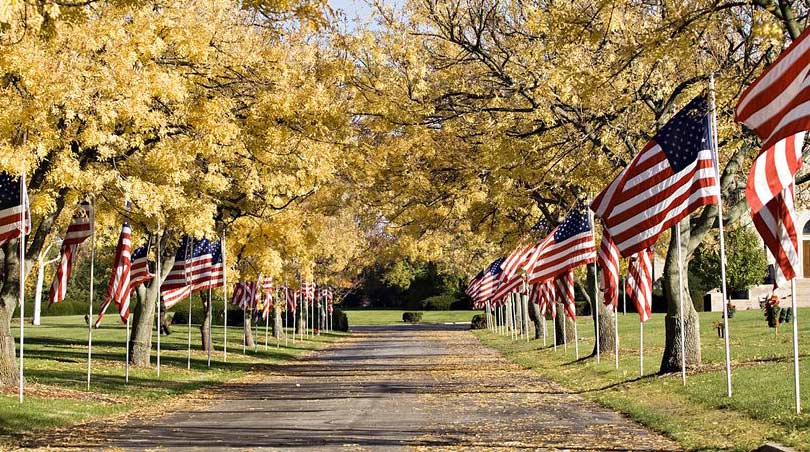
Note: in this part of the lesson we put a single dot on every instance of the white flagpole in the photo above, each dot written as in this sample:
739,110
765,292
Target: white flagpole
526,311
680,301
576,340
554,322
286,315
641,349
565,334
224,299
722,234
796,391
616,338
190,296
244,333
266,328
624,296
595,302
23,219
92,287
157,302
210,309
545,330
126,378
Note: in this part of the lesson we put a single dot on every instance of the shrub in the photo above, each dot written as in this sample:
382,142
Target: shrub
438,302
412,317
340,322
479,322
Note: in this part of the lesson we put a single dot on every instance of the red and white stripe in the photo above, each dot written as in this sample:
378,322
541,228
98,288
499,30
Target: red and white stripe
639,283
776,223
608,259
546,297
773,171
78,231
551,259
513,266
267,302
119,287
648,197
777,104
565,289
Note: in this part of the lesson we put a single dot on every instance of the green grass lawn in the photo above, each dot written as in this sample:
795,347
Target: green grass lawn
698,415
389,316
56,360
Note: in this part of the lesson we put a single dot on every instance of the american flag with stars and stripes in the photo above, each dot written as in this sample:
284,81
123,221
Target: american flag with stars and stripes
474,284
488,284
217,273
245,294
569,245
139,273
267,301
608,260
777,108
513,266
671,177
79,229
176,285
11,211
119,287
639,283
565,288
198,268
548,297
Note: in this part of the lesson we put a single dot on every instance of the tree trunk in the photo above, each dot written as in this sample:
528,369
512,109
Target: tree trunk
537,318
8,303
205,326
248,328
140,343
671,360
606,326
300,320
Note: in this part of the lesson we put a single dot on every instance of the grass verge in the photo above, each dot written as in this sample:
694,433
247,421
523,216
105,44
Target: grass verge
56,365
698,415
393,316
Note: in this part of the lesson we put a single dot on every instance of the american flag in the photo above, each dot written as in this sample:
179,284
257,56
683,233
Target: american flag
176,285
11,216
139,273
639,283
267,302
565,288
217,274
775,106
671,177
198,268
119,287
475,283
547,296
569,245
80,228
245,294
511,277
329,305
489,283
608,259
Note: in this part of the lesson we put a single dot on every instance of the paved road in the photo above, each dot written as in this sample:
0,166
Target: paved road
391,388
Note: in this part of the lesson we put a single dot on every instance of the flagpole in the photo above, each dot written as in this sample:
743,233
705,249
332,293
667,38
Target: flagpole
554,322
92,285
126,378
641,349
565,334
190,296
624,295
595,302
796,391
23,219
266,327
680,301
616,333
722,234
576,339
210,309
224,299
157,302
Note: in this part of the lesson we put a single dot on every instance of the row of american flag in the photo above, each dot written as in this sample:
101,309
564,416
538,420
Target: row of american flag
198,266
676,173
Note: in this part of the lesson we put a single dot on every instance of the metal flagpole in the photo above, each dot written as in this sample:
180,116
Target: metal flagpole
157,302
795,347
224,298
244,333
680,301
210,343
526,310
554,322
641,349
92,285
595,302
126,378
266,328
576,340
295,315
565,335
286,314
545,330
23,196
722,234
616,335
190,296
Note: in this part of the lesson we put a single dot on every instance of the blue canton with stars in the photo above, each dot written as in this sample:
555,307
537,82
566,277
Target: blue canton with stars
201,248
686,134
140,252
575,223
215,249
495,267
183,250
9,191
